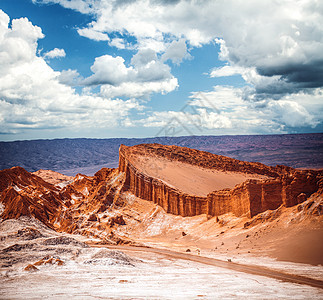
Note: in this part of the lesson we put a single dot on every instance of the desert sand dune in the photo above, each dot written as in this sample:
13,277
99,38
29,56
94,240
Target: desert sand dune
188,178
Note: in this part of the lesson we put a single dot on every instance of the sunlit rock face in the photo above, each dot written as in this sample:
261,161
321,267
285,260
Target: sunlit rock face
181,180
233,185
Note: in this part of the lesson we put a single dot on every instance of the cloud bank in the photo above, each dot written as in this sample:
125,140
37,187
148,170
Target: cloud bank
33,97
281,41
276,47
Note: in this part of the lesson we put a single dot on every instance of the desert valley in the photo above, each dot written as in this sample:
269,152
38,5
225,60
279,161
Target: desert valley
169,222
161,149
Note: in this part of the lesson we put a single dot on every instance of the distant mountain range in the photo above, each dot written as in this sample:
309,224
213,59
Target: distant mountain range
71,156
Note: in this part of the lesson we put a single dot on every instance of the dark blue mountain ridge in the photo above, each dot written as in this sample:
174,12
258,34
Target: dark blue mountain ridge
82,155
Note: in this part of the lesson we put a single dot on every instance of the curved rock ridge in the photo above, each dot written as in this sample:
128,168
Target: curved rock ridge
92,205
284,186
202,159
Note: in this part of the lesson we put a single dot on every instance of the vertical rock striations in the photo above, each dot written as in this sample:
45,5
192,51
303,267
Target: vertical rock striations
286,186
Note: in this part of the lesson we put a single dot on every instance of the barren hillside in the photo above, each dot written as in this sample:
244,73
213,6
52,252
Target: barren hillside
183,204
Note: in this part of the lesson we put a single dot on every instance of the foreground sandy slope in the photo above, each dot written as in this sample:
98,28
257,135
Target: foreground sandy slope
288,234
94,273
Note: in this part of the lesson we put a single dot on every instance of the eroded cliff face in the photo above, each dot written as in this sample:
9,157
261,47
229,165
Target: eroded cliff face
25,194
73,206
89,204
284,186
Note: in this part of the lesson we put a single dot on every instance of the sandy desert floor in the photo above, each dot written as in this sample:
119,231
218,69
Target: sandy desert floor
154,277
100,273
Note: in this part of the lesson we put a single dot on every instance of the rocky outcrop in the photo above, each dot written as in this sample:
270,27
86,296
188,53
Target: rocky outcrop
201,159
96,194
62,207
25,194
255,196
286,187
86,204
152,189
52,176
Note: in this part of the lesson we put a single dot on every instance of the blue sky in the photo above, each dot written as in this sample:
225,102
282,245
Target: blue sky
99,68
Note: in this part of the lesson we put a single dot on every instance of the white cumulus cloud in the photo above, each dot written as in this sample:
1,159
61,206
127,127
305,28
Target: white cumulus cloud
32,95
279,40
55,53
176,52
146,74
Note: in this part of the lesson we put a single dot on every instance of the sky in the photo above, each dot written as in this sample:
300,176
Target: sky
145,68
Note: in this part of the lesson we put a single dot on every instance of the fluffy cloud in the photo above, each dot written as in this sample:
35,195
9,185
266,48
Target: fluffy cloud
280,41
119,43
145,75
224,111
301,110
138,90
55,53
109,70
17,45
290,113
227,71
69,77
176,52
32,95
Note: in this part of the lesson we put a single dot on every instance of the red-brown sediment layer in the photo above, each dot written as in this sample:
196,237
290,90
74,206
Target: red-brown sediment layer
279,185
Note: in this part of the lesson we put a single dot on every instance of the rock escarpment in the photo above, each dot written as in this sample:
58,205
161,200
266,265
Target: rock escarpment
284,186
89,204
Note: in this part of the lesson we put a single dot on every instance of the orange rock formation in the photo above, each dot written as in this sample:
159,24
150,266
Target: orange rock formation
77,205
25,194
285,185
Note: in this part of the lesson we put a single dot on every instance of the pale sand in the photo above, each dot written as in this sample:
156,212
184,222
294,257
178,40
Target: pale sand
294,236
96,273
188,178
